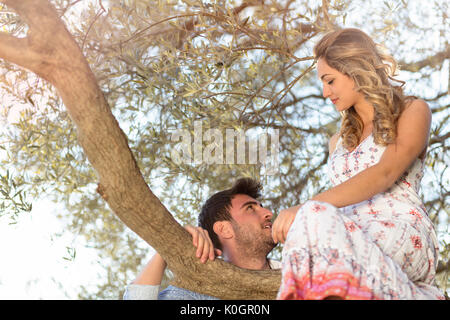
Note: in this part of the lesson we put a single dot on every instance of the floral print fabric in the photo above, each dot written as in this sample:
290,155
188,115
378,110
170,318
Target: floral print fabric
382,248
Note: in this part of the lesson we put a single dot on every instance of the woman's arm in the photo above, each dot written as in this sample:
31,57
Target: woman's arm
412,139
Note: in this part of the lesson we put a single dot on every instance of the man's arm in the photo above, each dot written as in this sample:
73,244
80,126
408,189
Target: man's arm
146,285
153,272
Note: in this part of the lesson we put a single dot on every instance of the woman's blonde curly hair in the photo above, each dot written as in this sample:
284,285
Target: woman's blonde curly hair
355,54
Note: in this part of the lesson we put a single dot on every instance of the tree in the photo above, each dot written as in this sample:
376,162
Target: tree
50,52
162,65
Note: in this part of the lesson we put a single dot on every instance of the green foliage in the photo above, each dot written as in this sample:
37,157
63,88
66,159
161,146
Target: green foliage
13,199
230,64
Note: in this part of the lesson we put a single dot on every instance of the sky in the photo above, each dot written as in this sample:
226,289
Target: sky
32,257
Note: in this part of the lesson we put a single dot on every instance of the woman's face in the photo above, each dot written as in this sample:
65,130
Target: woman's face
337,86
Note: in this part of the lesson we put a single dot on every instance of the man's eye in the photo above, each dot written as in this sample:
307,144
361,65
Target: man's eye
330,82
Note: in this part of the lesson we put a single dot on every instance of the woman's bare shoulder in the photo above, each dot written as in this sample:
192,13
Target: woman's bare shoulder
417,104
415,109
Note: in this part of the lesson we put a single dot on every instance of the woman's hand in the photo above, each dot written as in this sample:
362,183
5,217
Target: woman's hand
282,224
203,243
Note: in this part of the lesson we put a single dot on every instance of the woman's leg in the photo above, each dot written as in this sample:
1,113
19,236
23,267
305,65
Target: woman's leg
327,254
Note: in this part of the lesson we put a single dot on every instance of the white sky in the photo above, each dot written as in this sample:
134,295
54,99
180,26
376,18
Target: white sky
31,257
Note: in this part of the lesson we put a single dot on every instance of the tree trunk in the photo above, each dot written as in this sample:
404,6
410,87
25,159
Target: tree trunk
51,52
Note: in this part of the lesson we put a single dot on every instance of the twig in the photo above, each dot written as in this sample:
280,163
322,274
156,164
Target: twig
67,7
90,26
284,52
264,85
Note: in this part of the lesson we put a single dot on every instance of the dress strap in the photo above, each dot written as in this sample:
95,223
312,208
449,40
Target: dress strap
338,143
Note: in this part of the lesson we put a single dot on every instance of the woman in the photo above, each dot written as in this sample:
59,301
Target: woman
368,237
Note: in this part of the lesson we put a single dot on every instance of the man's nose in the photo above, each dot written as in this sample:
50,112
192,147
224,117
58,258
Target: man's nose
267,214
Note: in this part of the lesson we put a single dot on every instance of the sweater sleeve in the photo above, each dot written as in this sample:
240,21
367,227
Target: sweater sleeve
141,292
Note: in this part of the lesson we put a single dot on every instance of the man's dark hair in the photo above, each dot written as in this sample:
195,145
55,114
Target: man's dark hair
216,208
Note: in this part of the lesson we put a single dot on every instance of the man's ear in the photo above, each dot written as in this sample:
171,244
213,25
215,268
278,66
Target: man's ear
223,229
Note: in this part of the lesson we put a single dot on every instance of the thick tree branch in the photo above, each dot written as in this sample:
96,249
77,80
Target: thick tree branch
430,61
53,54
14,49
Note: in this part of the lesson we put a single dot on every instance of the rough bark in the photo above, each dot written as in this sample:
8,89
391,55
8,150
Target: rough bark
51,52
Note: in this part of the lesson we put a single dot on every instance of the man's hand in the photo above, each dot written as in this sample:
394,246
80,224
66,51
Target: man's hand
282,224
203,243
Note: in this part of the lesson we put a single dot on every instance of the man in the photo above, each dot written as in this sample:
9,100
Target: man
232,222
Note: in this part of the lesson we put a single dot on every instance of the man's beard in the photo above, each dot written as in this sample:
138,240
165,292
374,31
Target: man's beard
253,242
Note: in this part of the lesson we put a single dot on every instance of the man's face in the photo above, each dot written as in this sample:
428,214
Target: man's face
252,225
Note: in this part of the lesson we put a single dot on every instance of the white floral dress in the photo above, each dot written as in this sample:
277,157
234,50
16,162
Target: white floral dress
381,248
